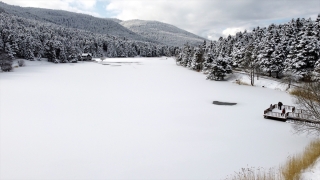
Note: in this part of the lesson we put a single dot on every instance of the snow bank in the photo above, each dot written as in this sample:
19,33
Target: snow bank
312,173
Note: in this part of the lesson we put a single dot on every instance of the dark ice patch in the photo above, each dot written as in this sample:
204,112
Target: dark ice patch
223,103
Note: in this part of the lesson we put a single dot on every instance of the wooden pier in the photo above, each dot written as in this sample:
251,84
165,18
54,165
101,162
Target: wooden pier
296,115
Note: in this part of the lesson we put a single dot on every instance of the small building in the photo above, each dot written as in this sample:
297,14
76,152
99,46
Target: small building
86,56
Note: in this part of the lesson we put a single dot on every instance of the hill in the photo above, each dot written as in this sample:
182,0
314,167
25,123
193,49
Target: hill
138,30
74,20
162,32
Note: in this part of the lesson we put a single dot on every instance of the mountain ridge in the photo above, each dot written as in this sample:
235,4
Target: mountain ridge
109,26
166,33
73,20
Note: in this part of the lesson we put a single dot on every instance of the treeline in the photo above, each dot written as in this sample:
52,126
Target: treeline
31,39
279,50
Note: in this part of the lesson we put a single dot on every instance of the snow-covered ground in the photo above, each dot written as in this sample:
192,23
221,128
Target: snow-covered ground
312,173
144,119
264,82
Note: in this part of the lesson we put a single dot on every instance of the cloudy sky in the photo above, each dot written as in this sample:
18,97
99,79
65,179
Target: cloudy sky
207,18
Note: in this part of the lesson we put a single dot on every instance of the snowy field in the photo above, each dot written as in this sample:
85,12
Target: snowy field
148,119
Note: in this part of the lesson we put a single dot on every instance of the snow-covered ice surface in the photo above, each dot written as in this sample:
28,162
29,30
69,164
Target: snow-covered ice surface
145,120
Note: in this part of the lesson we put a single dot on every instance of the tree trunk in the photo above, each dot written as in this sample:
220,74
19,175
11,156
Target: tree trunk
252,77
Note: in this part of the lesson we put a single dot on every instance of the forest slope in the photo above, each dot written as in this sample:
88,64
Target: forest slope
74,20
138,30
162,32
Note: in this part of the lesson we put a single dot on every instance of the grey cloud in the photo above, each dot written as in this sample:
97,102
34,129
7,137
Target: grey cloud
248,14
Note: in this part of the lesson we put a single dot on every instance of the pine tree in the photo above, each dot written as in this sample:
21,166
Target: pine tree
264,58
237,54
29,48
277,60
204,47
178,57
220,68
186,55
190,55
9,51
208,60
197,60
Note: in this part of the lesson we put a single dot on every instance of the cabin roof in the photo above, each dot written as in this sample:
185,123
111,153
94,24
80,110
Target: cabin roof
86,54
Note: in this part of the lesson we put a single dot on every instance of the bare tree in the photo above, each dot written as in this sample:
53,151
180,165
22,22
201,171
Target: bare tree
249,64
308,98
289,78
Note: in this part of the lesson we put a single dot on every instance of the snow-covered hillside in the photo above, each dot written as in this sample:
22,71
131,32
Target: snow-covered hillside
149,31
134,118
162,32
73,20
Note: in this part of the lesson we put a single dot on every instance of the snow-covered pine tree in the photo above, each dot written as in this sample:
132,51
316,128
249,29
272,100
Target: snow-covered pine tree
237,54
1,44
178,57
29,48
197,60
277,60
208,60
191,53
38,49
60,51
120,49
303,53
50,51
112,49
143,51
220,68
134,49
264,57
204,47
9,51
148,50
186,55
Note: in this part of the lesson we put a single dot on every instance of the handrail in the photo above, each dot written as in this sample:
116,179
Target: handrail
276,114
285,106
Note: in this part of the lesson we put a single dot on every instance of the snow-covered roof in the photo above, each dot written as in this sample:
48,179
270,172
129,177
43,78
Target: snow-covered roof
86,54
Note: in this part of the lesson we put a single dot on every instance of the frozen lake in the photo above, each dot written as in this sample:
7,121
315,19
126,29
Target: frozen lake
149,119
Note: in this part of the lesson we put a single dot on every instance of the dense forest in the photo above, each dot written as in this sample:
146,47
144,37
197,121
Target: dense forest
32,40
290,49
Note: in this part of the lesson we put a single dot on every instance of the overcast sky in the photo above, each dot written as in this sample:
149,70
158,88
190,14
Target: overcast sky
207,18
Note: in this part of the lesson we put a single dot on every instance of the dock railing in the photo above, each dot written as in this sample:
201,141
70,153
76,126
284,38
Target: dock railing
276,115
284,106
301,116
302,111
270,109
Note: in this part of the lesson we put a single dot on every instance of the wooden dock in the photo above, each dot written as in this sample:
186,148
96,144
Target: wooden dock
297,115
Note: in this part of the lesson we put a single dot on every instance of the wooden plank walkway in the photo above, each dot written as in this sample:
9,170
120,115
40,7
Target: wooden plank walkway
297,115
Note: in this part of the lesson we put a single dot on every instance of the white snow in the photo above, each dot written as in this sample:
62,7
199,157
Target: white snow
149,119
265,82
312,172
